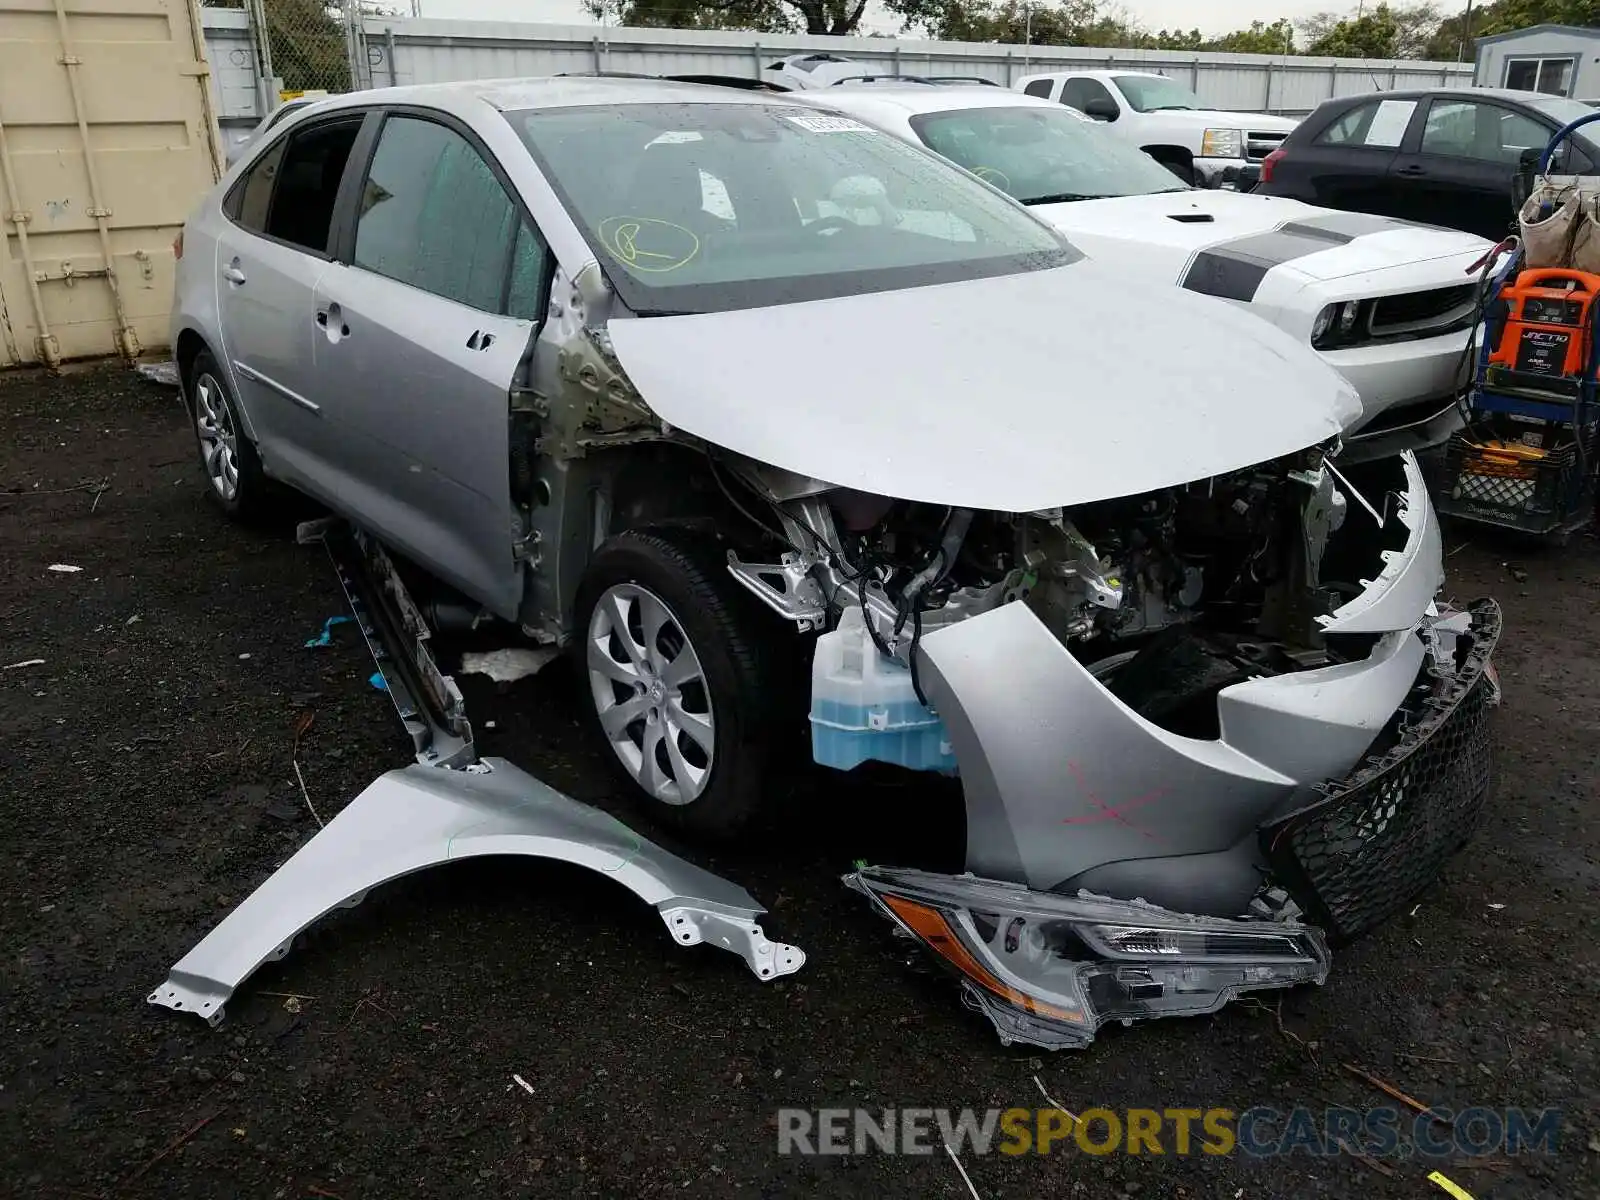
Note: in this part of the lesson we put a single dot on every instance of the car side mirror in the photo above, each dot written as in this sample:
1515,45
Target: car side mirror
1101,109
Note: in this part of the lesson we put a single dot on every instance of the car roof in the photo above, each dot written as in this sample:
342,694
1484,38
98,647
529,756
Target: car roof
913,99
559,91
1097,74
1508,94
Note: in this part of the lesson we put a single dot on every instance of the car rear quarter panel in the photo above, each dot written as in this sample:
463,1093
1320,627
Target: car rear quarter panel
194,296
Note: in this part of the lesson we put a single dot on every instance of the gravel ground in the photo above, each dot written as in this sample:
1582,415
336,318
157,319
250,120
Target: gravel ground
148,787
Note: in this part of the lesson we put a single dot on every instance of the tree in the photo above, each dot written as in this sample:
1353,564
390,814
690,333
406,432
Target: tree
1450,39
1064,23
1179,39
833,17
1384,30
1260,38
1315,26
1507,15
1415,25
1373,35
762,16
993,20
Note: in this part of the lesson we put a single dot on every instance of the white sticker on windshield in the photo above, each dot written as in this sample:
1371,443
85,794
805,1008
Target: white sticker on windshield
822,123
674,136
1389,123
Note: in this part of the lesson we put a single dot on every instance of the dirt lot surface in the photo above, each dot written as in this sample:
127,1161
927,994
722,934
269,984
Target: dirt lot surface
147,787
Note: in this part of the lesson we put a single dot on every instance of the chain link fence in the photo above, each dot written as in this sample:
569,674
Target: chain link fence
305,45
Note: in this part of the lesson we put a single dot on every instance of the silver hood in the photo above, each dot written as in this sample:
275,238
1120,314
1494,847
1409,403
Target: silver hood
1013,393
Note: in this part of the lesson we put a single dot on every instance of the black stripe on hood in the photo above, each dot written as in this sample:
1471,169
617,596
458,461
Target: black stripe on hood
1234,270
1354,224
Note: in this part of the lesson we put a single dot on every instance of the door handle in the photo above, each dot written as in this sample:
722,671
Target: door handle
331,319
233,274
1412,171
480,340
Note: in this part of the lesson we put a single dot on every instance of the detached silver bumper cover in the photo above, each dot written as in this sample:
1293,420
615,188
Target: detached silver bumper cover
1069,788
1049,967
419,817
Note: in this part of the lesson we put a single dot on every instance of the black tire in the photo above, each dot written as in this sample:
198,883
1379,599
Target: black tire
737,643
206,391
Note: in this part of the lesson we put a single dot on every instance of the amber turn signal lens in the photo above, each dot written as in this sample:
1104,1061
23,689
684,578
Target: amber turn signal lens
930,925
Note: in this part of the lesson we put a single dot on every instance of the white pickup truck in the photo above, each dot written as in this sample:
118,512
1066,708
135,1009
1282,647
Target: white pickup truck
1201,146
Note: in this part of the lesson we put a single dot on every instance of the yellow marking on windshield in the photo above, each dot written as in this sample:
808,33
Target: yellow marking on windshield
995,176
622,237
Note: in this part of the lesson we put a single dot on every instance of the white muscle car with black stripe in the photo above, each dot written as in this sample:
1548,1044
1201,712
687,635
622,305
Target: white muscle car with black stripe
1391,304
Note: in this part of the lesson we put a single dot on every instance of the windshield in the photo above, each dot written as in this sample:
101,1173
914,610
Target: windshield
1152,93
709,207
1564,110
1043,155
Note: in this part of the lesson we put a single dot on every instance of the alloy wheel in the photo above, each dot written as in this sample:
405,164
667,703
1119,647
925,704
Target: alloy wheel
650,693
219,441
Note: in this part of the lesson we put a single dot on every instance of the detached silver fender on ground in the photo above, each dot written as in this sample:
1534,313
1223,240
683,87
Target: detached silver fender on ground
419,817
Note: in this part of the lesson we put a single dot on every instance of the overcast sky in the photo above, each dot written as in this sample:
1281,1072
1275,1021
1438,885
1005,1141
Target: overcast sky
1210,16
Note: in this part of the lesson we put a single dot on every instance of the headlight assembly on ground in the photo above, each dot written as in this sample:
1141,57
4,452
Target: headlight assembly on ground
1049,970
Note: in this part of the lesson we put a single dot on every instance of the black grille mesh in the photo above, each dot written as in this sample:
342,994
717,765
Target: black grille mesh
1420,306
1372,841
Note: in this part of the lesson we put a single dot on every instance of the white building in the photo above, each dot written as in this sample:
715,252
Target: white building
1563,60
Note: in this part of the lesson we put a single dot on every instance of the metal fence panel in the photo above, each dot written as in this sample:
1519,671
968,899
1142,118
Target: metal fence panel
399,51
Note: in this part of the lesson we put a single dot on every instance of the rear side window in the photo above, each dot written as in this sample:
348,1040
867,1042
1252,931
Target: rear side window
251,197
1378,125
289,193
1040,87
435,216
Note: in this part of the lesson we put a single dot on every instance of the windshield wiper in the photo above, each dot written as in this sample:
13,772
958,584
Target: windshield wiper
1063,198
1173,108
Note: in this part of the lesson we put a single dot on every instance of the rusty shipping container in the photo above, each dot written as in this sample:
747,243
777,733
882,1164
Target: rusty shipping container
108,138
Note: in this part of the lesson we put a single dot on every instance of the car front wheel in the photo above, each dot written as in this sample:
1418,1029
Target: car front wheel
672,659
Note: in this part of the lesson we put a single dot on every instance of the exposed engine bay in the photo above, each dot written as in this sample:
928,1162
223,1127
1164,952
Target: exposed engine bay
1301,738
1167,596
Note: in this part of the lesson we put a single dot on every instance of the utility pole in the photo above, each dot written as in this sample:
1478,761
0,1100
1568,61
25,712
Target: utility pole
1466,33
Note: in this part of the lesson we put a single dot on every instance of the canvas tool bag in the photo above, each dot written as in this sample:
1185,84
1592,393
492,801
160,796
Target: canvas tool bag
1560,224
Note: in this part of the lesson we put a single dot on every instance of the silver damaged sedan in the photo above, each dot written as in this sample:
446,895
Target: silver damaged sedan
763,413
